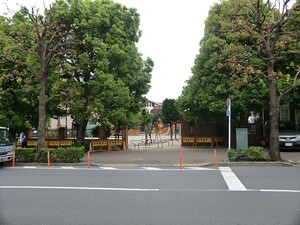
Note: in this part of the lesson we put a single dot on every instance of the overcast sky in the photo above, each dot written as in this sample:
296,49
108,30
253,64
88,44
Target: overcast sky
172,30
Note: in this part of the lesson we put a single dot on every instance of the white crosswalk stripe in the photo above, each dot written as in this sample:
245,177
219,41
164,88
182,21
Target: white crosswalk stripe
232,181
151,168
198,168
29,167
108,168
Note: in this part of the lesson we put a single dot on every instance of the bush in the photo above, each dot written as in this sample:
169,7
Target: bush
83,144
69,155
42,156
232,154
253,153
60,155
25,154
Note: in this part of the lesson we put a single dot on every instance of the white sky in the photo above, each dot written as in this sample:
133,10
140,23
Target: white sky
172,30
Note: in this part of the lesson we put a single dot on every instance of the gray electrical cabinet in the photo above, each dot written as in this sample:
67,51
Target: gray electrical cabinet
241,138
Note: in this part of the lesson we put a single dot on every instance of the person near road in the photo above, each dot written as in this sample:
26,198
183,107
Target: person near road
23,140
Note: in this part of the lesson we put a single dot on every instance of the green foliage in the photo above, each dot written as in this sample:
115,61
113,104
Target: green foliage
214,79
107,130
170,112
69,155
232,155
25,154
232,61
60,155
83,144
108,77
253,153
100,78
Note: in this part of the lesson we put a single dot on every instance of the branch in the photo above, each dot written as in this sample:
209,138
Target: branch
20,63
293,86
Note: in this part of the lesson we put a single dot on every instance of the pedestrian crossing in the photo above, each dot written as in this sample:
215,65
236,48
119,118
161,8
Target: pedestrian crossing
109,168
232,181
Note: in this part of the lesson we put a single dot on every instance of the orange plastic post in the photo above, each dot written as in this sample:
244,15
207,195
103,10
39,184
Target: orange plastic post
180,159
89,159
14,158
215,159
48,159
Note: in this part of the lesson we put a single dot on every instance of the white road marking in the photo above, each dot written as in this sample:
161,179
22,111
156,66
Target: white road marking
77,188
108,168
232,181
145,189
198,168
280,191
151,168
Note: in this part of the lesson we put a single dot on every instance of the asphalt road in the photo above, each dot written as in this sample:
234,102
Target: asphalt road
150,196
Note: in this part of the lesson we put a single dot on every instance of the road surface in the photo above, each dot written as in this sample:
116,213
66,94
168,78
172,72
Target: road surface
150,196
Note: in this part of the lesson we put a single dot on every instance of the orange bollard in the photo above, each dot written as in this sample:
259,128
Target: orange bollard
215,159
14,158
180,159
48,159
89,159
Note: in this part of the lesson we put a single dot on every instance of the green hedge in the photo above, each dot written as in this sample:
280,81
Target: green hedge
59,155
25,154
253,153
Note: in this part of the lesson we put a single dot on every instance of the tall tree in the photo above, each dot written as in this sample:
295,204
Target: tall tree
35,41
170,115
244,56
17,102
275,34
203,98
110,76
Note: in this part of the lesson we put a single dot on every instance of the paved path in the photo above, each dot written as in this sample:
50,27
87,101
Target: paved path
169,155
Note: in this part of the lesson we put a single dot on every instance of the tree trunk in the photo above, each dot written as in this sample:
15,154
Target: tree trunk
274,111
81,127
42,99
146,133
175,131
171,130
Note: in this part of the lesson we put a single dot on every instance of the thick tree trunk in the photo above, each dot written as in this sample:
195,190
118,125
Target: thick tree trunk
274,112
42,100
81,131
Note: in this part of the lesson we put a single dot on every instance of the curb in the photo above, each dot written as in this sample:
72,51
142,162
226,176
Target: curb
151,165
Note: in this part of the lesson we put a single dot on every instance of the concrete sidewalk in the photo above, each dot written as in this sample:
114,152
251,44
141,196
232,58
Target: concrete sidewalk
170,156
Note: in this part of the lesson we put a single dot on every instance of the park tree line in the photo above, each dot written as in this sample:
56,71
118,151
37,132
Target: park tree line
75,58
250,54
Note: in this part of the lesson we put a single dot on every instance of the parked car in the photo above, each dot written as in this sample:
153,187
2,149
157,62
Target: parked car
289,135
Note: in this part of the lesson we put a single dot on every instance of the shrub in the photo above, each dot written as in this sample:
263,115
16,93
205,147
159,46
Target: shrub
25,154
253,153
42,156
83,144
232,154
69,155
60,155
